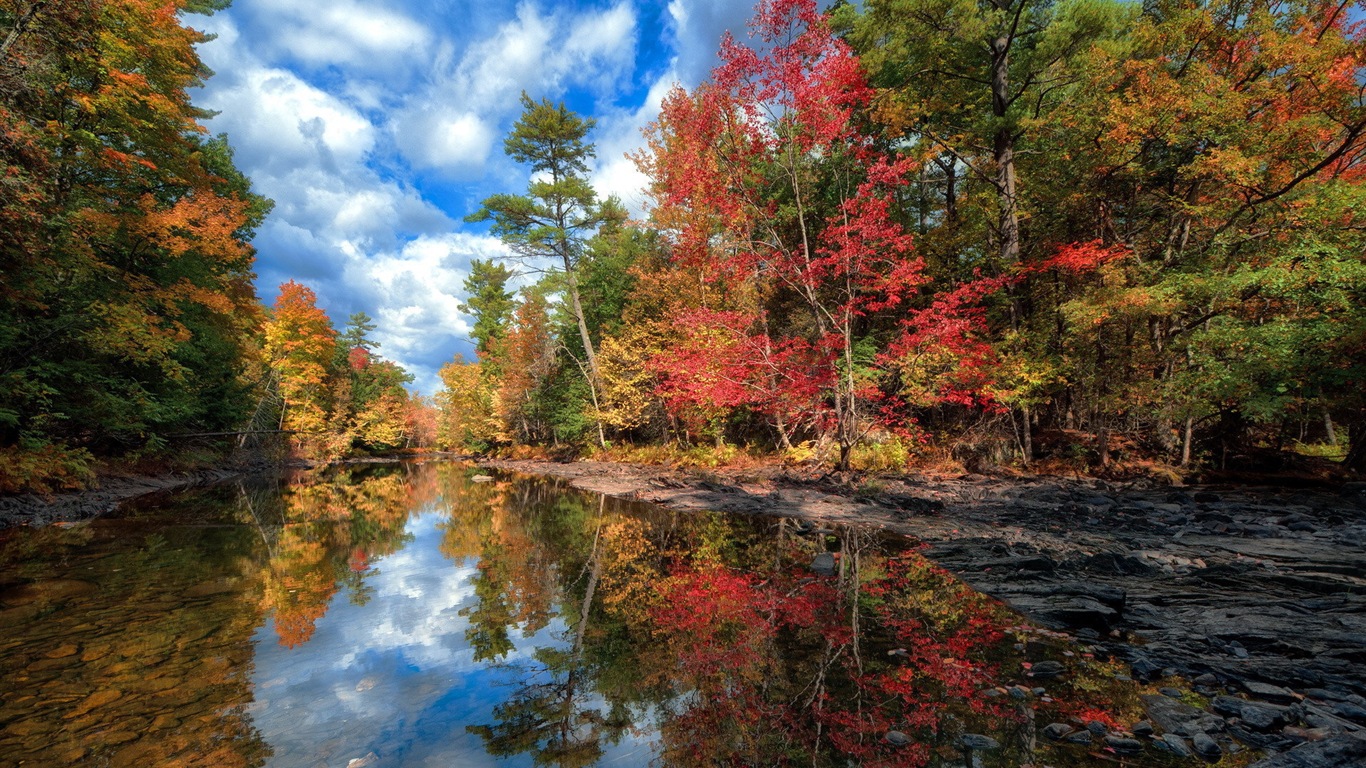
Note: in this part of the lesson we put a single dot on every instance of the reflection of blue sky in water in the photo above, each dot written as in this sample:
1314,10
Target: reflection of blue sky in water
395,676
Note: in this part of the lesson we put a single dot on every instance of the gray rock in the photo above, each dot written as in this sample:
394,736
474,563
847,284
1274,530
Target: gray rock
1268,692
1123,744
1142,728
1047,669
1179,717
977,741
824,564
1206,746
1337,752
1079,737
1177,745
1056,731
1347,709
897,739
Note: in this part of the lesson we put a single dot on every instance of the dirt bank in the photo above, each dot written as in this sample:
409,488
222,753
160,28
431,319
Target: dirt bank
34,510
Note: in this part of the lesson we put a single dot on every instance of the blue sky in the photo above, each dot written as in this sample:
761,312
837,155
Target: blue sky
377,126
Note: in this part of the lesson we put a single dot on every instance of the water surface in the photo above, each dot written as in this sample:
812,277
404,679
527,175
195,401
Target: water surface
408,616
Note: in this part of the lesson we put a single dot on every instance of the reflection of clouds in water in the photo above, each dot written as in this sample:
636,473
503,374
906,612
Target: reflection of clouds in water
394,676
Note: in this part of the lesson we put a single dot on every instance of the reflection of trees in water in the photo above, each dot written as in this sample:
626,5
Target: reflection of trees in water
717,628
328,528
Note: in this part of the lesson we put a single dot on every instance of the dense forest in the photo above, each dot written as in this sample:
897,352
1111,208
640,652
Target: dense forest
129,324
1084,231
1080,232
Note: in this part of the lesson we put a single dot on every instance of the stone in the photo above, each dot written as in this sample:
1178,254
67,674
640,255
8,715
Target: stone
1142,728
1096,727
474,479
1123,744
1206,746
364,762
897,739
1079,737
1269,692
1046,669
1347,709
62,651
1337,752
1263,717
824,564
1174,716
1177,745
1056,731
977,741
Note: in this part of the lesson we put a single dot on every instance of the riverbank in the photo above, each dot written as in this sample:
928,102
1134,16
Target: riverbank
31,509
1258,591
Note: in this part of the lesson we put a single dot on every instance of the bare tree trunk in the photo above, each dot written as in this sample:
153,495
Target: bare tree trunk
21,26
1186,441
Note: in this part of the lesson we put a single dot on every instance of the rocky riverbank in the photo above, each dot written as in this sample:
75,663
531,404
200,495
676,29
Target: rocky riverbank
35,510
1256,597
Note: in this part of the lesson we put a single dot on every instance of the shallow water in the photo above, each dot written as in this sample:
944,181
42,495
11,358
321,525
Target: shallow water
408,616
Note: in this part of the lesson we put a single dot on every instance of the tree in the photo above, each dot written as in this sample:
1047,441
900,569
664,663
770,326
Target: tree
490,302
560,210
127,310
299,344
770,181
359,326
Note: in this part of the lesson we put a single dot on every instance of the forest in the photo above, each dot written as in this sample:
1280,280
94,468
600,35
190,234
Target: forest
1088,234
1005,232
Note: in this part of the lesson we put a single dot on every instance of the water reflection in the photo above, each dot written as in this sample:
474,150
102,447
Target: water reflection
410,616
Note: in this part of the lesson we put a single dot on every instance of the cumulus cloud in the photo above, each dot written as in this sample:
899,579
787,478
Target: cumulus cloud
376,126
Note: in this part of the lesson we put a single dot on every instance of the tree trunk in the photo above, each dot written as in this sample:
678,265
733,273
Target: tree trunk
21,26
1003,154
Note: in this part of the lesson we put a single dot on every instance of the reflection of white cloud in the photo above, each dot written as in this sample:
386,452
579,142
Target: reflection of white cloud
384,675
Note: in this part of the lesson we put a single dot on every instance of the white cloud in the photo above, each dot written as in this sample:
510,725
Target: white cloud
376,125
698,26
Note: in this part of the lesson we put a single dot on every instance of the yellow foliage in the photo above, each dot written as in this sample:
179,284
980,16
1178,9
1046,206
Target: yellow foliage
468,408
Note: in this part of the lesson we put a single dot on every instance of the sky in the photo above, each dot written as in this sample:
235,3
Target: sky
376,126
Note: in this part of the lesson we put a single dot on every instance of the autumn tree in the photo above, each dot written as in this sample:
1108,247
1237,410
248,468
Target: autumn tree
560,210
127,306
766,177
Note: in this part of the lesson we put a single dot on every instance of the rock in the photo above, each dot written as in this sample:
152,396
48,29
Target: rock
1228,706
363,762
1171,692
1123,744
62,651
1174,716
1056,731
474,479
977,741
1177,745
1263,717
1269,692
1142,728
1337,752
1347,709
95,701
824,564
897,739
1118,565
1046,669
1080,737
1205,746
1096,727
1205,497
